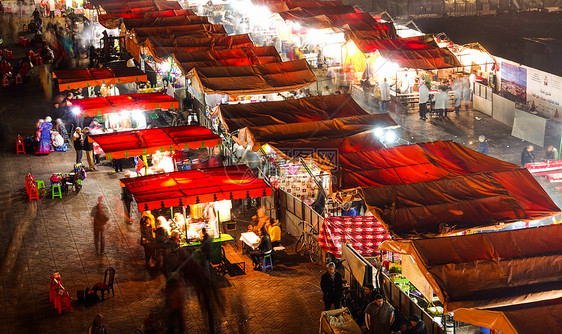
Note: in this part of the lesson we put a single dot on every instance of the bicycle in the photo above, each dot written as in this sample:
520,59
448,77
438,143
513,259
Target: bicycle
308,242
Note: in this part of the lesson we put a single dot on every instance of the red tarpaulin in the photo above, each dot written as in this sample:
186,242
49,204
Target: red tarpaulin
283,6
164,21
200,29
373,40
81,78
227,57
195,186
363,233
485,270
104,105
137,142
324,150
436,188
253,79
161,47
309,109
423,59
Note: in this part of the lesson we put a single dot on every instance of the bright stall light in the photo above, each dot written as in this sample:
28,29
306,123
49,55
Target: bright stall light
379,132
390,137
76,111
139,118
165,66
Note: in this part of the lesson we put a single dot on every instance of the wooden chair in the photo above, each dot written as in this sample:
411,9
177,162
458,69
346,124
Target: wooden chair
107,285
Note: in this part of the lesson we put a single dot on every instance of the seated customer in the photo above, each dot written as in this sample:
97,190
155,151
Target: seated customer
264,248
274,230
258,221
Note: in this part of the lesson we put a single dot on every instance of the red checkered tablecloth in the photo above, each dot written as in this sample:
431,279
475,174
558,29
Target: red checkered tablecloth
365,234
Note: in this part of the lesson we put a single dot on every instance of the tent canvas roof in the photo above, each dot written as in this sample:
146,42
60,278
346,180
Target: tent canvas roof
485,270
137,142
253,79
81,78
343,127
436,188
104,105
236,116
195,186
530,318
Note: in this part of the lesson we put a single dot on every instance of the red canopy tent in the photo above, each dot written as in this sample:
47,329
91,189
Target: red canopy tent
104,105
137,142
80,78
195,186
164,21
227,57
486,270
309,109
283,6
429,189
250,79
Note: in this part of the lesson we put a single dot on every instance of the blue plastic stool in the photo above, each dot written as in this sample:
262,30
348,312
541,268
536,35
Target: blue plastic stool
264,263
56,191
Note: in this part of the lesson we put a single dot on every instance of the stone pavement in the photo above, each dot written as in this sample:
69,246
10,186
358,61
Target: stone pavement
57,236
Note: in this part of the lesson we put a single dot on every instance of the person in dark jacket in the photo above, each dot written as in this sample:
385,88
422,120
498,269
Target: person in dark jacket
264,248
88,147
332,287
482,145
418,326
527,155
147,239
78,140
206,251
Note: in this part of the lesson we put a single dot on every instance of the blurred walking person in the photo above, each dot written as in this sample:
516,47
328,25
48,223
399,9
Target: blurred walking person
97,326
100,217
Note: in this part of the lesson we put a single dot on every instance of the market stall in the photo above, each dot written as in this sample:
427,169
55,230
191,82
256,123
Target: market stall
141,142
528,318
89,77
249,79
123,112
404,188
208,194
480,270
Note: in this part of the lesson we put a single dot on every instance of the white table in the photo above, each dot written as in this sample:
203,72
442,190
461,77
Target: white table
251,239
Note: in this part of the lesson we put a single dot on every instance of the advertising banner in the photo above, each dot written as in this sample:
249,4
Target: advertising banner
513,81
545,90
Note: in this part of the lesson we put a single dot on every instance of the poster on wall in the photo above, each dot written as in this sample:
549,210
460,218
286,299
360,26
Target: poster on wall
545,90
513,81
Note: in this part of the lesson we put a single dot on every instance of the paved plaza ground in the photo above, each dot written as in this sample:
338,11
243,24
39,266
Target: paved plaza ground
40,238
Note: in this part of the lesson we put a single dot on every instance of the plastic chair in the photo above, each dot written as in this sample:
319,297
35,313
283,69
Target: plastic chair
107,284
20,148
19,81
56,191
40,184
6,82
264,263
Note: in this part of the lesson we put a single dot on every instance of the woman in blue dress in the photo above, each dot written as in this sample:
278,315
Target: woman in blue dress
45,139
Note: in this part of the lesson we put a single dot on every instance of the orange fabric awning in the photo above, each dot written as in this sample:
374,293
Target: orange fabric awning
490,270
137,142
94,106
253,79
195,186
529,318
81,78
